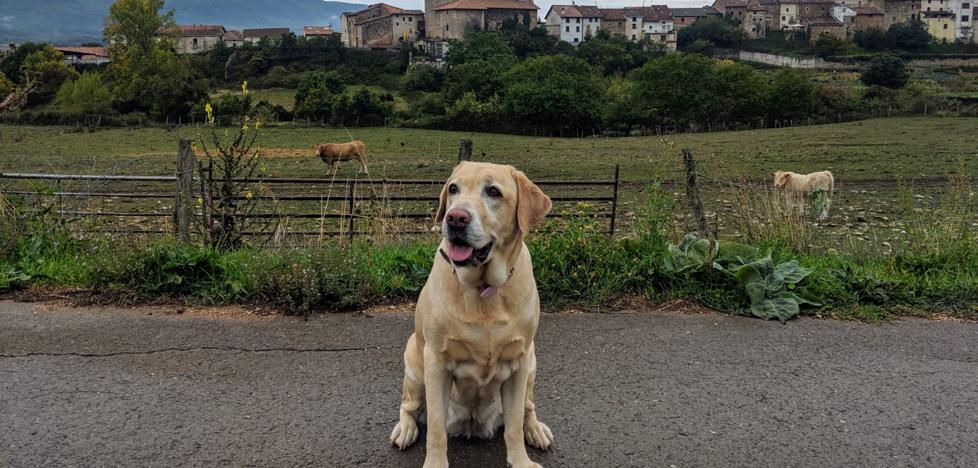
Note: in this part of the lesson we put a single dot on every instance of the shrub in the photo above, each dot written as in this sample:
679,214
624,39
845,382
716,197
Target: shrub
6,86
423,78
829,45
86,95
362,108
886,70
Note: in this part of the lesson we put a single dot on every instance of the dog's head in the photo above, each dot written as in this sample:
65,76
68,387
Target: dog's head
486,207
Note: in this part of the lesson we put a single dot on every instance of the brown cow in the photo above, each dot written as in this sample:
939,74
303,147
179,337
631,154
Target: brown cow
331,153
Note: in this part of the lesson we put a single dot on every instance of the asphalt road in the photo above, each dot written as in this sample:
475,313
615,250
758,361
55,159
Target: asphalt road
104,387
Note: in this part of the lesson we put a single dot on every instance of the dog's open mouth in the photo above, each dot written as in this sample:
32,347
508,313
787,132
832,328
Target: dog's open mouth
463,254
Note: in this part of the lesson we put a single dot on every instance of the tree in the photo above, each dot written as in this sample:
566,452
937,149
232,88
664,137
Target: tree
362,108
674,87
719,31
477,64
792,95
44,70
909,35
886,70
86,95
829,45
11,63
691,88
133,24
6,86
702,47
870,39
146,74
738,94
423,78
607,54
553,93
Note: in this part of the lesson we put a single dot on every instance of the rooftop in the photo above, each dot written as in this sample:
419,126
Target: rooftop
265,32
193,30
487,5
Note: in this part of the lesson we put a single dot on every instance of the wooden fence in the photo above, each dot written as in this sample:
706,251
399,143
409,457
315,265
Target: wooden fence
285,206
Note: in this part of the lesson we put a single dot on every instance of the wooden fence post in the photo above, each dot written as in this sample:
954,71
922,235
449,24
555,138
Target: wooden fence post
350,194
183,205
693,195
465,150
614,201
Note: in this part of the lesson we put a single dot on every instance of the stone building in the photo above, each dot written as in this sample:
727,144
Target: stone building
194,38
381,26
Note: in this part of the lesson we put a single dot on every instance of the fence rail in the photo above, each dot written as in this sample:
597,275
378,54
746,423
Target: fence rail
405,203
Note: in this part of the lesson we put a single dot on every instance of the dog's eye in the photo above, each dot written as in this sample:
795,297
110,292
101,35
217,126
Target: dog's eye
494,192
453,189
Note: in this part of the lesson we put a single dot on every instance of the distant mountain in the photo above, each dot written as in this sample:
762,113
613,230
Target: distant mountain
77,21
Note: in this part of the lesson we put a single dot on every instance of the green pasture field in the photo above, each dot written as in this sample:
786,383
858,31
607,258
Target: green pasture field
872,161
872,150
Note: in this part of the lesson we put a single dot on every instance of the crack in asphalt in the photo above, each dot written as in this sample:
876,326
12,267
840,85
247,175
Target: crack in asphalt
203,348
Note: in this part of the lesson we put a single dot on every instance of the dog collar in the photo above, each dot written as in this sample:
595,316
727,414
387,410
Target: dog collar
485,290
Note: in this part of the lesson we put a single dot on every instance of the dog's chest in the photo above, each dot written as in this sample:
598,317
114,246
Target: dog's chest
484,354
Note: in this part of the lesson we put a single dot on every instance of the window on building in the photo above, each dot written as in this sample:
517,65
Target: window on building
567,20
634,18
965,18
410,19
446,27
945,26
575,39
578,20
566,28
663,37
578,29
194,46
633,37
965,6
633,25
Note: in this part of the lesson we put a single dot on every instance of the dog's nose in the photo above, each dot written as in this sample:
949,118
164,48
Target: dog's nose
458,218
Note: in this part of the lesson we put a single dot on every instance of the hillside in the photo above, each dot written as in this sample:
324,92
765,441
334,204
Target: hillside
76,21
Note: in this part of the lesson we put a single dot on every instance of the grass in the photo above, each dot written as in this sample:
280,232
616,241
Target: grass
574,263
889,149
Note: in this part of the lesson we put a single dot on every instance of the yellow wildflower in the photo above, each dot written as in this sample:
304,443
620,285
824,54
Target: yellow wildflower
244,88
210,113
248,195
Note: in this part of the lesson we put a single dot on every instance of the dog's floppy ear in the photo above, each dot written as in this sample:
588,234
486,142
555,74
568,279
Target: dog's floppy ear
442,203
531,203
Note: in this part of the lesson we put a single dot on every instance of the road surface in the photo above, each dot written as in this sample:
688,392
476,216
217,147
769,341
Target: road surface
147,387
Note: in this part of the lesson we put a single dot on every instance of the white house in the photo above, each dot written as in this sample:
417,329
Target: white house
573,23
964,11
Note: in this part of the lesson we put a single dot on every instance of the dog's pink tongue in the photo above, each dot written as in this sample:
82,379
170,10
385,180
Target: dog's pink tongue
459,253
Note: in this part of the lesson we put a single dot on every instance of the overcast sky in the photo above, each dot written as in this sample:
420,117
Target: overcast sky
544,5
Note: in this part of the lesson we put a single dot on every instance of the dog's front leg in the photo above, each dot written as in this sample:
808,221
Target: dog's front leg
513,393
438,386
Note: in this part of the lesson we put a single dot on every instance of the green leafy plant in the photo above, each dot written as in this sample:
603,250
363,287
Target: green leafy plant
773,288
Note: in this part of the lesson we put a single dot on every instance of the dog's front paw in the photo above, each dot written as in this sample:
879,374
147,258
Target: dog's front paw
527,464
404,433
538,434
430,462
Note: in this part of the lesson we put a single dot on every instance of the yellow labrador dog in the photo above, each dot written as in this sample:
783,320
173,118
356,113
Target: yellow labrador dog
470,362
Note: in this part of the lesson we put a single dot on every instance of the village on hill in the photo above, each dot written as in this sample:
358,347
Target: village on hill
383,26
